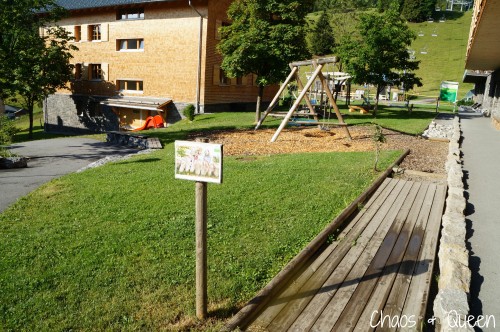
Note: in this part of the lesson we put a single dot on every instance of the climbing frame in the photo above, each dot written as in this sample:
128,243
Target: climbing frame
318,65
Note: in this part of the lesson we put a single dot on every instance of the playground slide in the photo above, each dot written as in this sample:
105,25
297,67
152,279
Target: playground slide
151,122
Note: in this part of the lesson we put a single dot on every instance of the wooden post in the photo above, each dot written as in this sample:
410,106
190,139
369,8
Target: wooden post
201,247
297,103
276,98
332,101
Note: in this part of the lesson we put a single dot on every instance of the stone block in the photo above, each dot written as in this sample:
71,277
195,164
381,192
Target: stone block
451,309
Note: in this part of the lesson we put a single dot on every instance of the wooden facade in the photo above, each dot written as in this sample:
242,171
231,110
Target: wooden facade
146,52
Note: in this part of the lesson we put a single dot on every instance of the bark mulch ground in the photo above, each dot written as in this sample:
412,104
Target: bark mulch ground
425,156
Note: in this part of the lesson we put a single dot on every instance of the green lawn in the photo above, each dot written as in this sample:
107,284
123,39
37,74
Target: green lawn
395,118
112,248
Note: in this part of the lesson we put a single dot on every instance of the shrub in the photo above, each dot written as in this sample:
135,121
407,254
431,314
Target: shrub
189,112
7,130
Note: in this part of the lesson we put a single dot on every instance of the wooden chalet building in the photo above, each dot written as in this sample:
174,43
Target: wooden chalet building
145,58
483,57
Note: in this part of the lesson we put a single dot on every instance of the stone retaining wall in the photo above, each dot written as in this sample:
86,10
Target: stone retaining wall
451,304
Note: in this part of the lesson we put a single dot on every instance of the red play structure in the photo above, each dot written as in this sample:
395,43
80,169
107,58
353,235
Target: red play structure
151,122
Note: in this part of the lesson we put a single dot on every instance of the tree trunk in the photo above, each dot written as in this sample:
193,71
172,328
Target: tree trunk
375,109
259,101
30,113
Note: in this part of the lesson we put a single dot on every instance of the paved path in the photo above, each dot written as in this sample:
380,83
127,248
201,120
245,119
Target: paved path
481,149
51,159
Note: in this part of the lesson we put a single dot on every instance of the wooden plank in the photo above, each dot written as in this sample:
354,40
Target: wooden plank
251,310
319,61
279,303
367,267
418,294
383,288
288,315
397,297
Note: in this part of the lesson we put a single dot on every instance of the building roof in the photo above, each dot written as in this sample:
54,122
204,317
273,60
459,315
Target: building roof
483,52
88,4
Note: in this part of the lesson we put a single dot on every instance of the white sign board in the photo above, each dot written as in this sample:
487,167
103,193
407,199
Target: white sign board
198,161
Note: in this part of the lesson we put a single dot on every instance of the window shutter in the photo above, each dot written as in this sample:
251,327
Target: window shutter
85,32
105,70
105,32
216,78
71,30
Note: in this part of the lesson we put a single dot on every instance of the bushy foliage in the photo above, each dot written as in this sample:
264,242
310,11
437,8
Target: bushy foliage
7,130
33,65
322,40
417,10
265,35
189,112
378,55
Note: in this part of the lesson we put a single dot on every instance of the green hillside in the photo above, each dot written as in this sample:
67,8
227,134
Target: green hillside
445,58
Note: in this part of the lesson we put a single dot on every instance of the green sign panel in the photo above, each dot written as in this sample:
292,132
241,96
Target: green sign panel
448,91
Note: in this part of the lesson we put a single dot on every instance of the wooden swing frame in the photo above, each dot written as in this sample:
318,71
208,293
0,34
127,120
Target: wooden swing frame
318,65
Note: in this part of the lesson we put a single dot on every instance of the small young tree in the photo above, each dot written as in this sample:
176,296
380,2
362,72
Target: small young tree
322,39
378,55
378,139
265,35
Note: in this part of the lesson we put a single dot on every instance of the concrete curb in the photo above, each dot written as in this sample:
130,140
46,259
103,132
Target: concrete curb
451,307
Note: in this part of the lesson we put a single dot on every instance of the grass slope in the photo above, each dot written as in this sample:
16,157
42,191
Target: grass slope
112,248
445,58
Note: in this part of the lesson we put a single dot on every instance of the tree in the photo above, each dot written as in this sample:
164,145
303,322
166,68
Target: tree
322,40
417,10
265,35
32,66
379,54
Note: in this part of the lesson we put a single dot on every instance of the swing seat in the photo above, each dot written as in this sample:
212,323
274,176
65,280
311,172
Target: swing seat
362,110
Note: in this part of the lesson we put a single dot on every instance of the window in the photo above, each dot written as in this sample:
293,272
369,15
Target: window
130,85
218,25
95,32
129,44
130,14
78,33
78,71
95,72
224,80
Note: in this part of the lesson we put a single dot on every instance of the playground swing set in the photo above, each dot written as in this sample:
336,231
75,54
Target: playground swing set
298,115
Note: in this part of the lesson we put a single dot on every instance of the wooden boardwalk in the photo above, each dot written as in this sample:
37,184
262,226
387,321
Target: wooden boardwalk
381,262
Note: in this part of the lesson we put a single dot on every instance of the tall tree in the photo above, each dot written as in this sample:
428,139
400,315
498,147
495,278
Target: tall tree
322,39
417,10
32,65
379,54
265,35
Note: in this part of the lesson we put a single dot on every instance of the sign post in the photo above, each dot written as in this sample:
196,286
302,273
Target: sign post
449,92
199,161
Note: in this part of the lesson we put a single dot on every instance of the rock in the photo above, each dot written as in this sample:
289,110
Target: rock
451,308
436,130
13,162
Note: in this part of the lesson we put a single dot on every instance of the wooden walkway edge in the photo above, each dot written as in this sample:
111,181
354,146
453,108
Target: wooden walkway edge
377,272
